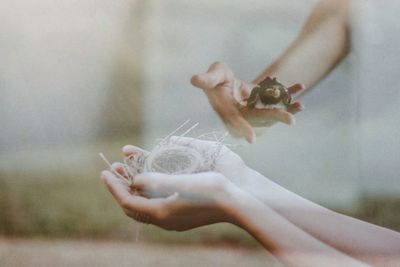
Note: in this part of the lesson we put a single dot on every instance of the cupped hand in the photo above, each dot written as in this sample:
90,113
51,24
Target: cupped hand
172,202
152,198
228,96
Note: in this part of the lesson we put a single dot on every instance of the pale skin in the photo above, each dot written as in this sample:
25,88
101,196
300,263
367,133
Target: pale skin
183,202
323,231
365,242
322,44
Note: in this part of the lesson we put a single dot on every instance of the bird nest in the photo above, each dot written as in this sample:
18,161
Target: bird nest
175,154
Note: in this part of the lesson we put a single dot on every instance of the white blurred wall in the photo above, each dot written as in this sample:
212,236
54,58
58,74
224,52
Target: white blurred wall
68,79
57,67
72,71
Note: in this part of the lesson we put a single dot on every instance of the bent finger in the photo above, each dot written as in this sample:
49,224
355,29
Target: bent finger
120,169
124,198
296,88
158,185
237,125
295,108
129,150
217,74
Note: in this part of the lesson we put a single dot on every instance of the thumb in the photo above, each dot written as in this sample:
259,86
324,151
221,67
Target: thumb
207,81
217,73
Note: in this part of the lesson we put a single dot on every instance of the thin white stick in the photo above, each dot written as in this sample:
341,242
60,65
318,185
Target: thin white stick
189,130
111,168
176,130
128,168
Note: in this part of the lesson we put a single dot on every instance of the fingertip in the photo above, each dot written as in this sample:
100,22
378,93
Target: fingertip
118,167
105,173
251,137
291,120
129,150
105,176
196,80
298,87
295,108
286,117
203,81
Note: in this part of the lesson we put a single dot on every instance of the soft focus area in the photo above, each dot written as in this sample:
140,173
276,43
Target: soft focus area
82,77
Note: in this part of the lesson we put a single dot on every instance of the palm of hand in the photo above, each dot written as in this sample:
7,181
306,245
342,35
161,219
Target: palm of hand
194,206
228,96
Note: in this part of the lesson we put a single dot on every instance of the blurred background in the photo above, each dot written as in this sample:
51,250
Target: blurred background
82,77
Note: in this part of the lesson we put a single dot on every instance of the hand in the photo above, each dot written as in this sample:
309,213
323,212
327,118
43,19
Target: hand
172,202
228,163
228,96
163,209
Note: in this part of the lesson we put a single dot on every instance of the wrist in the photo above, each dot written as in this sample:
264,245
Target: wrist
229,203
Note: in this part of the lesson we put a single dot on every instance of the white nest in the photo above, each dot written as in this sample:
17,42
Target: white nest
175,155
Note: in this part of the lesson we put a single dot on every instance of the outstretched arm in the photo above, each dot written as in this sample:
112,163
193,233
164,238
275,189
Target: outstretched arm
323,42
288,242
370,243
165,198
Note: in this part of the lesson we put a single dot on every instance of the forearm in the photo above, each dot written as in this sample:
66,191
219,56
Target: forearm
370,243
289,243
322,43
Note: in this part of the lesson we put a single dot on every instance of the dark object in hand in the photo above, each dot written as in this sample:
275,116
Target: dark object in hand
270,92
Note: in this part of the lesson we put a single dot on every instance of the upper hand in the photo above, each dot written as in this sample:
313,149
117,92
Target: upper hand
152,198
228,96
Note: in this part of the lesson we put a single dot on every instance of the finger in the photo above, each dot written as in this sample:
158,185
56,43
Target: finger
156,184
235,122
129,150
125,199
162,185
295,108
217,74
245,90
268,114
239,127
119,168
294,89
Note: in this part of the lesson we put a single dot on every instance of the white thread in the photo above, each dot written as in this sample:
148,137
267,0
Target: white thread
173,156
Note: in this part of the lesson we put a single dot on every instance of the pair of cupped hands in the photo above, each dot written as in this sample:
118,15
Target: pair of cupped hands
183,202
